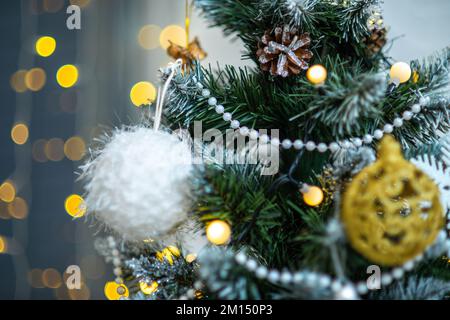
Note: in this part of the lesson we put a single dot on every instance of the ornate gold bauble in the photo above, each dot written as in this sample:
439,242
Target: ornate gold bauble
391,210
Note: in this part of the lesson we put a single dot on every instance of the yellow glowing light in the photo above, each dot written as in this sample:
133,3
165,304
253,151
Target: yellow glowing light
67,76
20,134
218,232
75,148
313,197
54,149
143,93
317,74
18,209
3,246
80,3
51,278
17,81
115,291
53,6
175,34
45,46
400,72
148,36
35,79
75,206
7,192
146,289
191,257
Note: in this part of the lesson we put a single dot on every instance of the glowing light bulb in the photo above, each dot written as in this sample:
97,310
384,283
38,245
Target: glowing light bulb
313,197
218,232
400,72
317,74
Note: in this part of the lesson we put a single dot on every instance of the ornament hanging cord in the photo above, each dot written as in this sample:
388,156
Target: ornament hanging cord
162,94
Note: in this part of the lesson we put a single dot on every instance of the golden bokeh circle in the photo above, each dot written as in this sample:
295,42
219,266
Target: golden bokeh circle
20,133
80,3
7,192
54,149
218,232
148,36
67,76
115,291
175,34
45,46
51,278
75,206
142,93
75,148
17,81
53,6
35,79
3,245
18,209
38,151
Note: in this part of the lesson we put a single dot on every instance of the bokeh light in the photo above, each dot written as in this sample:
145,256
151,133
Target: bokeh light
35,79
18,208
20,133
82,294
7,192
80,3
143,93
3,245
39,151
218,232
51,278
75,148
17,81
148,36
53,6
35,278
4,213
175,34
67,76
115,291
54,149
75,206
45,46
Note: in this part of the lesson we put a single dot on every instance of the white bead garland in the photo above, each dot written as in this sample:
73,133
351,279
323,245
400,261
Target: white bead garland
342,289
311,145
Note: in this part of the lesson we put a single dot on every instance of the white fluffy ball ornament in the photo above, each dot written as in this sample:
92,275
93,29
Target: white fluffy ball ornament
139,184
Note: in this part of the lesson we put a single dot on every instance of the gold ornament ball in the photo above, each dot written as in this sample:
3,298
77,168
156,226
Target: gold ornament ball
400,72
313,197
391,210
317,74
218,232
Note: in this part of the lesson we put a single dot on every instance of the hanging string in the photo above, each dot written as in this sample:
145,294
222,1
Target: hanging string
162,93
188,21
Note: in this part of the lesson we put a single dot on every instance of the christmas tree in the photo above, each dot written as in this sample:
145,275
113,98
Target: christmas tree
321,173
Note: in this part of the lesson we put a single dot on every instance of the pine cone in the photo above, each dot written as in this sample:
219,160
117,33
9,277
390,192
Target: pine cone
284,52
376,41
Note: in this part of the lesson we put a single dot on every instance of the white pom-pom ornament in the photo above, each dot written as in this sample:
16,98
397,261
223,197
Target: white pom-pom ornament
139,184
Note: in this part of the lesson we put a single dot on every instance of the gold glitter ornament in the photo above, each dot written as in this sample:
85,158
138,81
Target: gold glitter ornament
391,210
